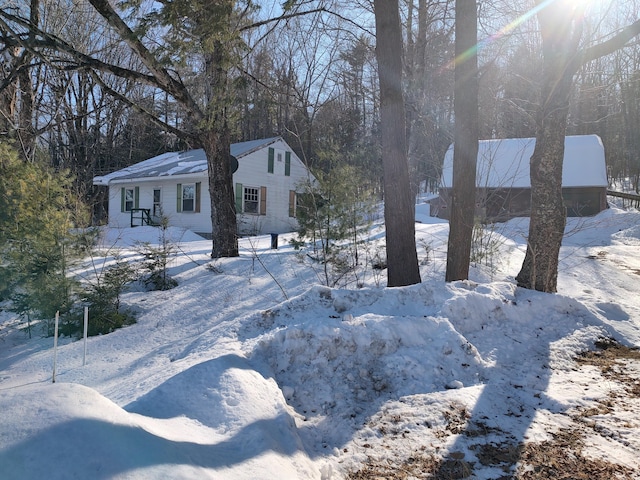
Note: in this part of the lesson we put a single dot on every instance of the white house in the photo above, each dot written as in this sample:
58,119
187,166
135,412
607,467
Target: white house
503,183
175,185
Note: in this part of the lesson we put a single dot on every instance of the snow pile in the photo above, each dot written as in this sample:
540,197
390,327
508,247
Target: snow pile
221,378
353,351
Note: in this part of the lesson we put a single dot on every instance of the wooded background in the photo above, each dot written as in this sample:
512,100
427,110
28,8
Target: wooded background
311,78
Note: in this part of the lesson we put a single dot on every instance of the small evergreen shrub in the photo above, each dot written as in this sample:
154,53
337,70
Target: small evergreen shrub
156,260
103,300
333,214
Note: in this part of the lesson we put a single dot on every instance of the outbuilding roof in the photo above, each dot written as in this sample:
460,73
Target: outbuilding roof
178,163
504,163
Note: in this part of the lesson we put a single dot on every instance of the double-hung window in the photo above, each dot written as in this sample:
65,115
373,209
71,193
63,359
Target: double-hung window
128,199
251,200
188,197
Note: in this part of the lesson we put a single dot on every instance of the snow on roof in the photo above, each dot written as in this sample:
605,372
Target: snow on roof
504,163
178,163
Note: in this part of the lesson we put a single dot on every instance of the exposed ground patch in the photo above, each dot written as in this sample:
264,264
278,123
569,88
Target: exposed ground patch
564,456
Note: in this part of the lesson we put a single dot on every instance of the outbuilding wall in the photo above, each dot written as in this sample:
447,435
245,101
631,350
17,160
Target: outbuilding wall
499,204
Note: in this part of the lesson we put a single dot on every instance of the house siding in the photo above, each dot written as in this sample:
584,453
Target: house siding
196,221
253,171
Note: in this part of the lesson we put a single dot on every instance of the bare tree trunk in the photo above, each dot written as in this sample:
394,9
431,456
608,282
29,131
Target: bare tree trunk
561,31
548,214
399,205
223,211
465,148
217,145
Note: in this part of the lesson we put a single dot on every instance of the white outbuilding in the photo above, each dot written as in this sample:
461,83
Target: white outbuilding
504,187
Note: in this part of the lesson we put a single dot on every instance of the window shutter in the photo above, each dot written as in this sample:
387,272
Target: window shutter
179,199
122,199
292,203
198,189
287,164
271,157
263,200
136,197
239,195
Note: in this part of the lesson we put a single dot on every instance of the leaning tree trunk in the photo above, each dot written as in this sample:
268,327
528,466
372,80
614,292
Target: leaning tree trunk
399,205
548,214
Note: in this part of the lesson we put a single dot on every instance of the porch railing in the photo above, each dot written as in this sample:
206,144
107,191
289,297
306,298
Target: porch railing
141,217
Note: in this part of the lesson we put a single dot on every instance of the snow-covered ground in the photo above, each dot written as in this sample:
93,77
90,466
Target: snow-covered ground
251,369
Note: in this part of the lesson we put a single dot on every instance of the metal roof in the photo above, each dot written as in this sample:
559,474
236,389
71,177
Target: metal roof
178,163
504,163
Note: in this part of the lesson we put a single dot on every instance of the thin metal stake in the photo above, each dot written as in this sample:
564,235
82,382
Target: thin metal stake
55,347
86,325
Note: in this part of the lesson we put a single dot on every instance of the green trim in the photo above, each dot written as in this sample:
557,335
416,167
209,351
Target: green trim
122,199
287,164
271,160
239,195
198,194
179,199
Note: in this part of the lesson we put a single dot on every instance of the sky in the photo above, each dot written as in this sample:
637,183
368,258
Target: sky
253,369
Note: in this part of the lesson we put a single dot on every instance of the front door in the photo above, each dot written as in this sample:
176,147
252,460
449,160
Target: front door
157,204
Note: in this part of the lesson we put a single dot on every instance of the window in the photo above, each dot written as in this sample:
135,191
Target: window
188,197
128,199
251,200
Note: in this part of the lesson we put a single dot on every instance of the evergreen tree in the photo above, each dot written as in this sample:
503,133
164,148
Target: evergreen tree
37,216
332,213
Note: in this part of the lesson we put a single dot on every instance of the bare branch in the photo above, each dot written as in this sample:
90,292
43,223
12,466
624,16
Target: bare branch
137,107
282,17
172,86
618,41
300,14
81,60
